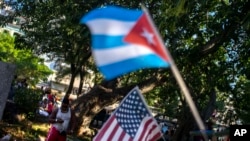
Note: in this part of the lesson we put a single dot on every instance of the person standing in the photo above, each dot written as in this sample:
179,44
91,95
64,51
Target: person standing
62,121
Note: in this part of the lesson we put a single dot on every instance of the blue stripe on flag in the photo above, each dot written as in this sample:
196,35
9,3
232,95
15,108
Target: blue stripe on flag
108,13
105,41
117,69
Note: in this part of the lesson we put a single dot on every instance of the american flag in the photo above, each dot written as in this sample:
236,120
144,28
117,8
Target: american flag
132,121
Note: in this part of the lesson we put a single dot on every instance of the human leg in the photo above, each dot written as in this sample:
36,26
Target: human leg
53,134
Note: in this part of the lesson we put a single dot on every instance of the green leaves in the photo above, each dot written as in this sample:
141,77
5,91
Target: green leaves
209,41
27,101
28,64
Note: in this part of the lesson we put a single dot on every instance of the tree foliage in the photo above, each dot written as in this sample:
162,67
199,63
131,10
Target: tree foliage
52,28
27,64
208,40
27,100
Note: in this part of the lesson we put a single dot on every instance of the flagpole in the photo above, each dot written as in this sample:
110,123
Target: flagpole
178,77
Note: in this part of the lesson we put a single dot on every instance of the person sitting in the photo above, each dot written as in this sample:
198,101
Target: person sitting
42,108
49,95
46,107
49,107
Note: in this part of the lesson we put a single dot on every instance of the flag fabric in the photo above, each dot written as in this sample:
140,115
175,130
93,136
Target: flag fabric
124,40
131,121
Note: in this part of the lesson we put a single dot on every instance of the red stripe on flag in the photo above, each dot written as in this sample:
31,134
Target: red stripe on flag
101,133
156,136
122,136
147,131
145,128
113,132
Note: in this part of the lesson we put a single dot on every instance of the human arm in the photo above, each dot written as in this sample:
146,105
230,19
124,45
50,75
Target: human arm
52,117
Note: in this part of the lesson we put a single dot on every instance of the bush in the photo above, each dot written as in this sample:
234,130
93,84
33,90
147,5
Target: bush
27,101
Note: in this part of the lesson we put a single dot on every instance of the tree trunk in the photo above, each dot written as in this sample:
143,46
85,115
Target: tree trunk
208,111
185,123
93,102
82,72
72,80
108,93
100,96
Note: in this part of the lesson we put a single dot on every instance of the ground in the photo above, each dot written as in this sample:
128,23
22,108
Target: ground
35,131
22,129
29,131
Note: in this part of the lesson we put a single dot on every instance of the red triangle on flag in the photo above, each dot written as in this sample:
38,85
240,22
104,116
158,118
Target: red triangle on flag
143,33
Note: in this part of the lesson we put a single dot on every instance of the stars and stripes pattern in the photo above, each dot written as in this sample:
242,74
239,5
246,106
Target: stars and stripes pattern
132,121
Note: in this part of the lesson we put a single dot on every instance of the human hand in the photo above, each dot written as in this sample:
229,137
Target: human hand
59,120
70,132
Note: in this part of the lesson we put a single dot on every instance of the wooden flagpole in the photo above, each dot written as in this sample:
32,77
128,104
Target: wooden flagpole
179,79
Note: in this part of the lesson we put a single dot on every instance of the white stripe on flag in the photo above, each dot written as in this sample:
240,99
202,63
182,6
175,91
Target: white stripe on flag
109,27
118,132
126,137
120,54
109,130
144,130
154,132
150,136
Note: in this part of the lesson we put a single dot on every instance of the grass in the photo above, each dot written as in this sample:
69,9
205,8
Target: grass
21,129
33,131
29,131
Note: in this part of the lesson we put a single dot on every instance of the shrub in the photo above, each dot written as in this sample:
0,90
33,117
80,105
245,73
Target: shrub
27,101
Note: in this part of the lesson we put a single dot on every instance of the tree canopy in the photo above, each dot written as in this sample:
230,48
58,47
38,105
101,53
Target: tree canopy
28,65
209,41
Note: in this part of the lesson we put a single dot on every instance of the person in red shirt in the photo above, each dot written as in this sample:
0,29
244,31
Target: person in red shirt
49,95
50,107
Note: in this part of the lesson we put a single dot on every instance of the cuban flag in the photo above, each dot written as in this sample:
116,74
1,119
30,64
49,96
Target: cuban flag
123,41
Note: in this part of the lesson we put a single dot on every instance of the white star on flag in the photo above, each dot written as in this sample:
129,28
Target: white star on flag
131,121
149,36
